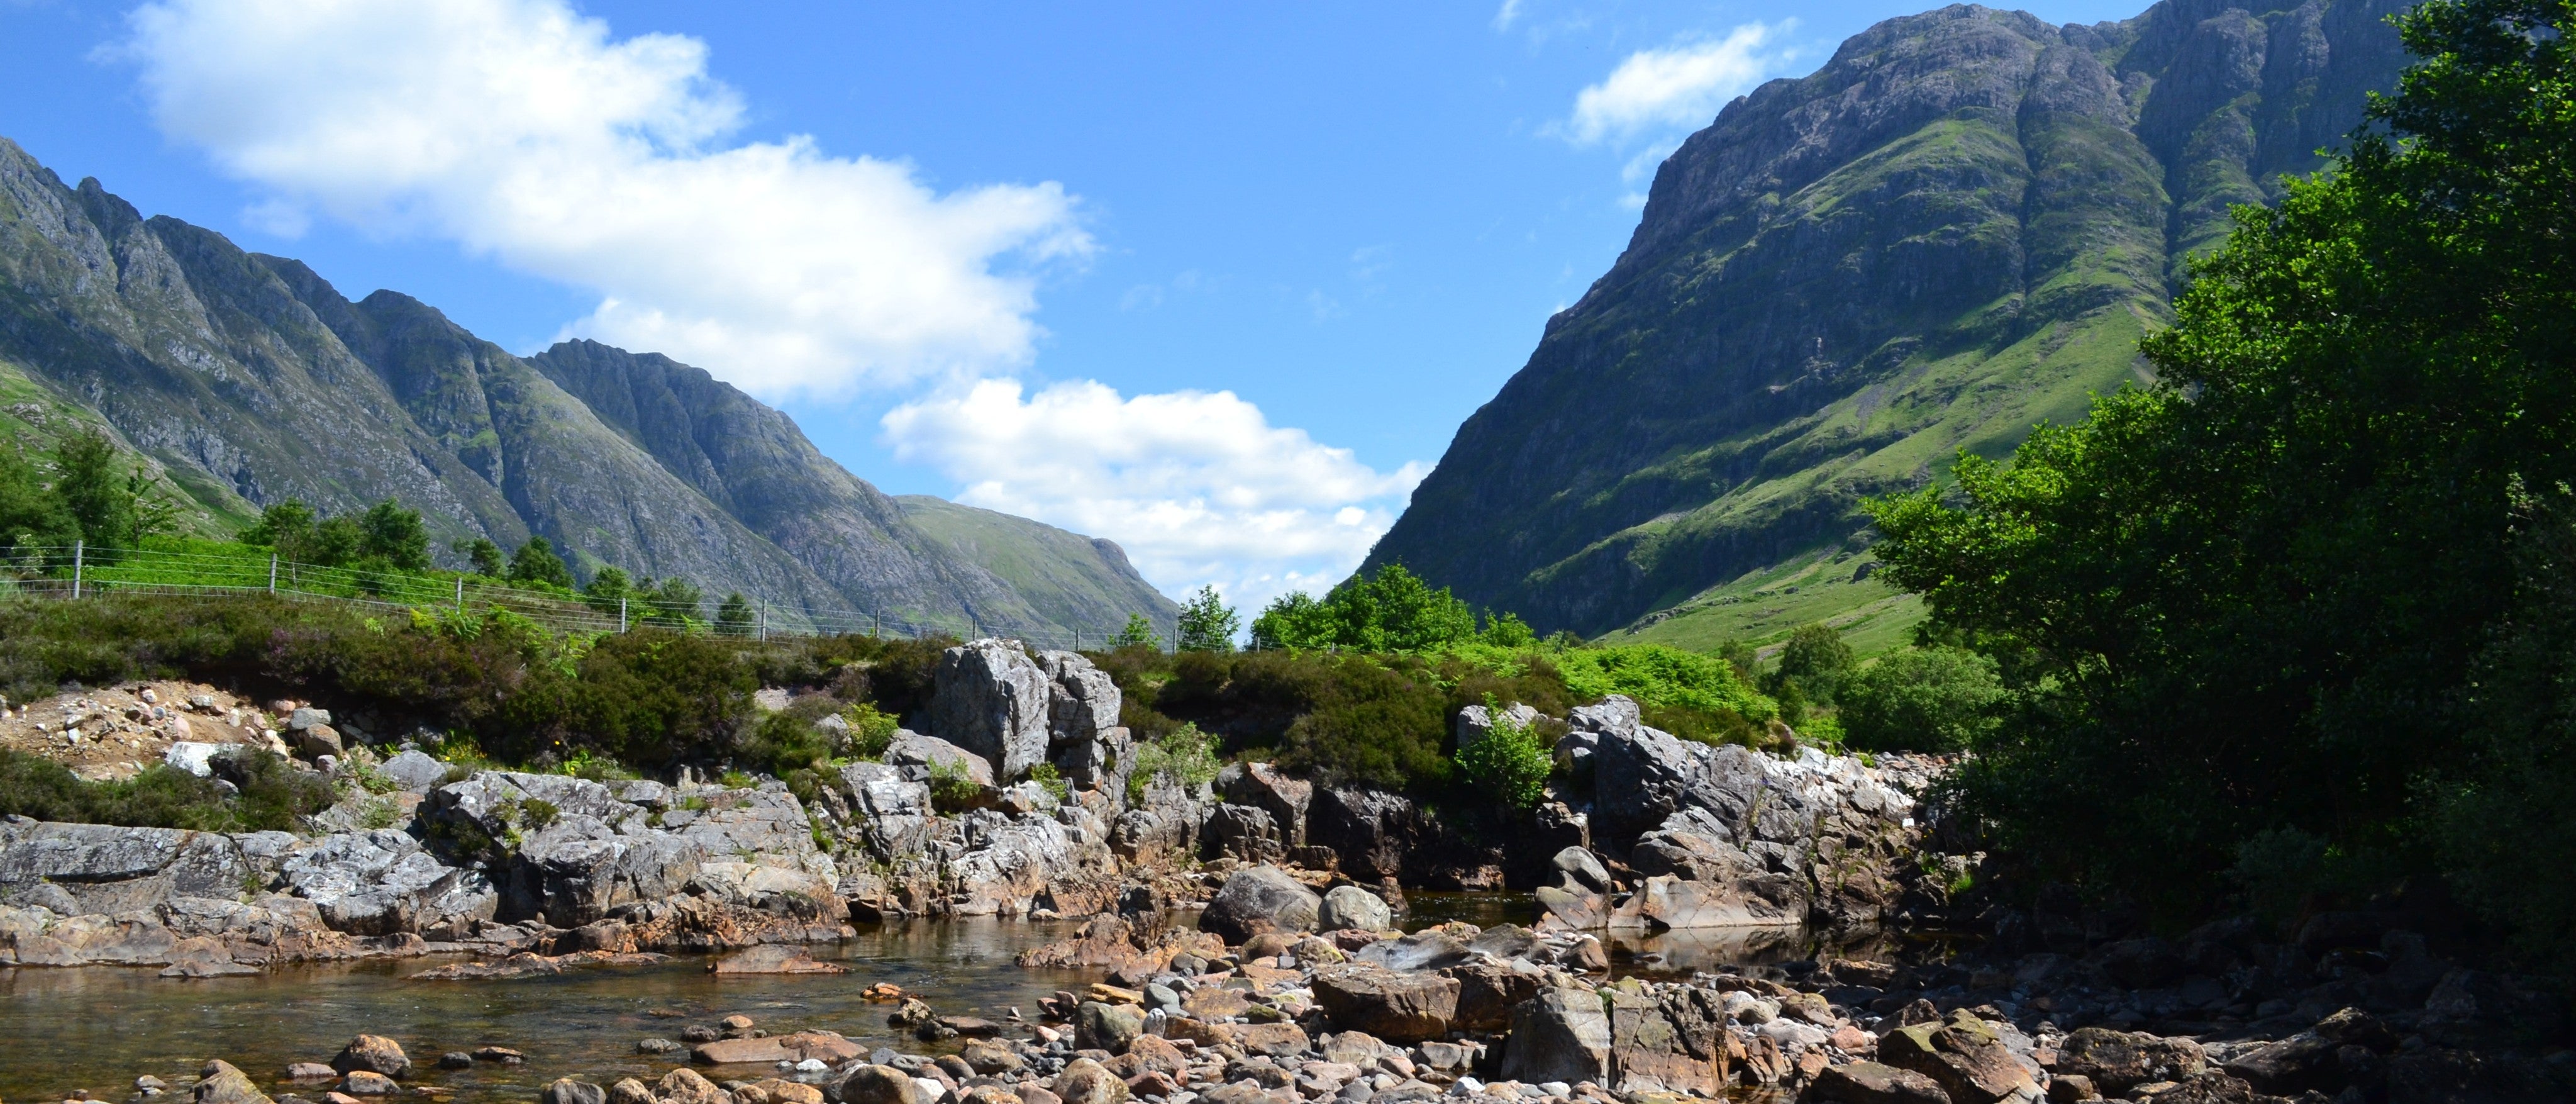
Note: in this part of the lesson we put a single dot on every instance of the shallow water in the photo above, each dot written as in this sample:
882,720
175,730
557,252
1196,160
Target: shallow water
97,1028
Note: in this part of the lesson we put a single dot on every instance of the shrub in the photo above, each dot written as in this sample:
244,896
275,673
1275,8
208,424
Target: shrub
871,732
1815,661
1921,699
1509,764
273,795
1183,757
952,790
1051,780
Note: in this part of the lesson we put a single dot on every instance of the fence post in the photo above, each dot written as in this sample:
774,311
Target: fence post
79,548
621,615
1077,638
460,593
272,574
764,620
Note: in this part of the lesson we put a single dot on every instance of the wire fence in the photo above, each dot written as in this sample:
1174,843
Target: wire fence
77,571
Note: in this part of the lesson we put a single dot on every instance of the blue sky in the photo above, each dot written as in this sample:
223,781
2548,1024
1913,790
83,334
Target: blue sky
1217,281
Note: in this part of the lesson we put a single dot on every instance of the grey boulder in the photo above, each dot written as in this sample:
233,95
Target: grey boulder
1259,899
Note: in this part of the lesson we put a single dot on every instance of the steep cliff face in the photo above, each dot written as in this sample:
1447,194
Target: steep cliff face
249,380
1958,227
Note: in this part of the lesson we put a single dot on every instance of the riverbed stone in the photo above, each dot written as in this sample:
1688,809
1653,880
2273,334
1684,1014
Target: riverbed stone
1352,907
1109,1027
372,1054
1396,1007
1873,1083
565,1090
1088,1082
628,1090
366,1083
1562,1034
1964,1055
223,1083
1259,899
875,1084
774,958
686,1086
2117,1061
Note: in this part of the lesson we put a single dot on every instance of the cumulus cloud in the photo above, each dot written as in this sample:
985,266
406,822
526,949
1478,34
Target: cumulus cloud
1681,85
525,132
1198,486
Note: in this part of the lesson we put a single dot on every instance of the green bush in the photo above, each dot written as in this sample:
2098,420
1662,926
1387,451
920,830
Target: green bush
952,790
1510,764
272,795
1183,757
1921,699
1815,662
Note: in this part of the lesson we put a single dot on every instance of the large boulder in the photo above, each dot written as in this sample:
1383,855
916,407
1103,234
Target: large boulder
383,882
1352,907
1559,1035
1964,1056
1008,860
990,698
222,1083
892,812
912,749
1245,832
372,1054
101,868
1769,900
1109,1027
1652,1050
1873,1083
1396,1007
1259,899
414,771
1370,830
1084,738
2118,1061
577,869
1263,787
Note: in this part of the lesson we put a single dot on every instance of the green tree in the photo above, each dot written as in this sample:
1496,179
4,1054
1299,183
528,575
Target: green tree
1920,699
1507,630
536,562
396,536
608,588
1139,633
485,556
2239,600
1392,611
1207,624
673,601
1814,662
336,541
29,514
100,500
286,527
734,616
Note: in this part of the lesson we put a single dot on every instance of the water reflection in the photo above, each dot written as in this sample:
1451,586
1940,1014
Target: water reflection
97,1028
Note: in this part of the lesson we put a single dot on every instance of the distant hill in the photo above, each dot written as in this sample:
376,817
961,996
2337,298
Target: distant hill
1959,226
247,379
1067,578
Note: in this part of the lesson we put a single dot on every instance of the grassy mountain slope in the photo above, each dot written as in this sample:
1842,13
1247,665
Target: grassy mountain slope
1957,227
247,379
1068,578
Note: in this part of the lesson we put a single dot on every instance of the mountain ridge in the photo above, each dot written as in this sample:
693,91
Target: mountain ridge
247,379
1956,227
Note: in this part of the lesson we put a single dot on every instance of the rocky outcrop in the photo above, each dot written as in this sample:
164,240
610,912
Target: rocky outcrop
993,700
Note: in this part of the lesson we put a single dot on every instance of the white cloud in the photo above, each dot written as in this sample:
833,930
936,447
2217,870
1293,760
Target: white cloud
523,131
1682,85
1198,486
1510,12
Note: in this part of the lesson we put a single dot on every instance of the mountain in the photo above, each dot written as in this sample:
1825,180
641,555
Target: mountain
1956,228
247,379
1068,578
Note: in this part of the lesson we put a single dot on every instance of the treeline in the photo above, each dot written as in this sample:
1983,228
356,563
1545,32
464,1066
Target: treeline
2294,623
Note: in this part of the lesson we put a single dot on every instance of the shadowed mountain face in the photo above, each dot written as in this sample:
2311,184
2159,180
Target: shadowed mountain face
1956,228
249,380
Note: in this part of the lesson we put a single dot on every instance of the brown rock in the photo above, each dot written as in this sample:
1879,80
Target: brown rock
1397,1007
2071,1088
1851,1040
565,1090
221,1083
1278,1040
1032,1094
685,1086
1153,1053
990,1094
1810,1007
2206,1087
1087,1082
987,1057
2117,1061
501,1054
878,1085
1487,992
1209,1002
629,1091
776,1091
825,1045
1963,1055
373,1054
371,1083
1872,1083
311,1071
1648,1054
